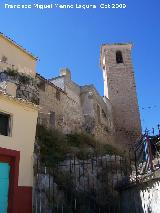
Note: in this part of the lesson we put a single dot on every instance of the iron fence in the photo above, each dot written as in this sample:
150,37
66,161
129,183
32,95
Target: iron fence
80,185
91,185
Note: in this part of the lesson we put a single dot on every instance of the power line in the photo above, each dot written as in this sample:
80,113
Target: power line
150,107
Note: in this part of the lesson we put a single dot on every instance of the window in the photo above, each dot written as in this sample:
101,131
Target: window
41,85
119,58
104,114
52,119
98,113
58,95
5,124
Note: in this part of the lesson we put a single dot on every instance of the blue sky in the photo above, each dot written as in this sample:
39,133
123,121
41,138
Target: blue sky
72,38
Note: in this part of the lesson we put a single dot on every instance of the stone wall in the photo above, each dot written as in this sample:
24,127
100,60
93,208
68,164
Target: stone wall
97,114
141,198
119,87
19,85
68,113
90,182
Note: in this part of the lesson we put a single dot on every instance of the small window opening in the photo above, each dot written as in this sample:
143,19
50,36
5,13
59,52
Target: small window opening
119,57
5,124
41,85
104,114
52,119
58,95
98,113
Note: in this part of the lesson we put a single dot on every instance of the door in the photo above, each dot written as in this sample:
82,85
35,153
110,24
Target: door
4,186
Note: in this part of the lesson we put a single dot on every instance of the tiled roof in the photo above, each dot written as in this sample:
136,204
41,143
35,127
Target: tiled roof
50,83
19,46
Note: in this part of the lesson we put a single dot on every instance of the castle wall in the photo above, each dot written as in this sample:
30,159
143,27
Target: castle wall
72,90
68,113
97,114
79,107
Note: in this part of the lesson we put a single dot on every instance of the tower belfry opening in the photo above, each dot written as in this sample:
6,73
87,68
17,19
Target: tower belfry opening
119,57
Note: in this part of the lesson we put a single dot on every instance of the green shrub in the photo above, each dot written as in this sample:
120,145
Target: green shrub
55,146
11,72
24,79
52,143
107,149
80,140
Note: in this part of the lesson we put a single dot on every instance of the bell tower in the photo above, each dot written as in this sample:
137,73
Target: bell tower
120,89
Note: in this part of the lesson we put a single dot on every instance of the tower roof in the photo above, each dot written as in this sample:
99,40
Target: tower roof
116,45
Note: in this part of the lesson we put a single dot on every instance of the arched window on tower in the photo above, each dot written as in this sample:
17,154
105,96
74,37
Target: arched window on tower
119,57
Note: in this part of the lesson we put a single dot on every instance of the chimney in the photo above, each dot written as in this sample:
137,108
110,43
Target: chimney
65,72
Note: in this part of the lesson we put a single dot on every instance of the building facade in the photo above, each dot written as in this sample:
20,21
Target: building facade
18,120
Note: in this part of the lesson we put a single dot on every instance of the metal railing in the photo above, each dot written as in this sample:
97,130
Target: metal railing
147,156
80,185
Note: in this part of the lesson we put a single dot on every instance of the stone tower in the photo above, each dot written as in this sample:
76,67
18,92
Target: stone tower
120,89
